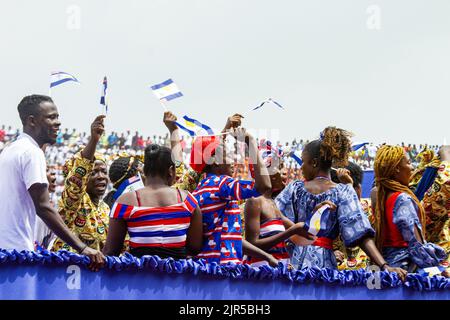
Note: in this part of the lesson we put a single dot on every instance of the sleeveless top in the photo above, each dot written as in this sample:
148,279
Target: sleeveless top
268,228
157,230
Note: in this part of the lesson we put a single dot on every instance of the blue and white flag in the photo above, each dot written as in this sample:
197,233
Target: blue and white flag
104,97
358,146
57,78
166,90
270,100
130,185
194,127
315,223
297,157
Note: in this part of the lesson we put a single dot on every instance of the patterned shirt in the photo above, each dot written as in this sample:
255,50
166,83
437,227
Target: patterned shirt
349,220
218,197
85,219
436,203
424,255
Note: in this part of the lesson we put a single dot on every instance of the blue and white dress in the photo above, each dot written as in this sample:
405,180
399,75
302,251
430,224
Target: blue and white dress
413,253
349,220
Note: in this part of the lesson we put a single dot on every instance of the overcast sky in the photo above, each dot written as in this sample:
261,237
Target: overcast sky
380,69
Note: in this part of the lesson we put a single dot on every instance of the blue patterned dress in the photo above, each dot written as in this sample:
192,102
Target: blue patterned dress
296,203
422,255
218,198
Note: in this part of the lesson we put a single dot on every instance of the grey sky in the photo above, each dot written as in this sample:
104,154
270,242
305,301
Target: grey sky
318,58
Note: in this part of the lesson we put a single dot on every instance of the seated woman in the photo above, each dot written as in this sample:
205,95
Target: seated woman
399,214
299,199
81,205
265,226
159,219
121,169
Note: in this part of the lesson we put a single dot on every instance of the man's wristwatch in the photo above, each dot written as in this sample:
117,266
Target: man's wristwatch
82,248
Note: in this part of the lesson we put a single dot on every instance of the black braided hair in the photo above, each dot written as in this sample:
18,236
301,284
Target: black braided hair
157,160
119,171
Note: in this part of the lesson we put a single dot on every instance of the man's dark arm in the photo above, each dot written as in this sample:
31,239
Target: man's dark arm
40,196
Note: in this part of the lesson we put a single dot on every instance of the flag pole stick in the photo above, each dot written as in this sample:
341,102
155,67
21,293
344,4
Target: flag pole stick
163,105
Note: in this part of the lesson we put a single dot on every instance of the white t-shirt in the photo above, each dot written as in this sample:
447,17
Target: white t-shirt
22,164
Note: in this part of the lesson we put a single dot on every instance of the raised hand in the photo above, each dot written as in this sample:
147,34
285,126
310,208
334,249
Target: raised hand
233,121
97,128
344,176
169,120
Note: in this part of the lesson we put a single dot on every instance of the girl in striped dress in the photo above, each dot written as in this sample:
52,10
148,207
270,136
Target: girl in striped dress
265,226
159,219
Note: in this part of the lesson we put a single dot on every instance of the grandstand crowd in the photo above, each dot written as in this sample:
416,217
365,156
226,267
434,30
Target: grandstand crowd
226,198
69,141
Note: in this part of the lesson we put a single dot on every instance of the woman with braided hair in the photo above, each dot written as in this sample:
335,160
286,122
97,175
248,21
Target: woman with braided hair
399,214
300,200
120,170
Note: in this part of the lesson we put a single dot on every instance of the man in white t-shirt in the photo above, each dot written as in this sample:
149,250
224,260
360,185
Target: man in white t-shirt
23,182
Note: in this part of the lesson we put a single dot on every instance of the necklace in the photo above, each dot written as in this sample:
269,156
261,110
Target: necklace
322,177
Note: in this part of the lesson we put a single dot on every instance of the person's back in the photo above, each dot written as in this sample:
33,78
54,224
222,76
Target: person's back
157,221
22,164
160,220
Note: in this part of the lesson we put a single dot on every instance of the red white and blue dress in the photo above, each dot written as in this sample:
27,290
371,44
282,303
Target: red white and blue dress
157,230
218,198
268,228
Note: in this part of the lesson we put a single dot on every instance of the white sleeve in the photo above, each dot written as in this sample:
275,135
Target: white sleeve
34,168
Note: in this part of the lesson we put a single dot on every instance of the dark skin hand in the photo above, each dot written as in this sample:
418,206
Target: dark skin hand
265,208
262,178
344,176
253,251
169,120
233,121
45,211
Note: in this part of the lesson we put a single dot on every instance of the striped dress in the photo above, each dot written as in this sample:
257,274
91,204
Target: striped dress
268,228
157,230
218,198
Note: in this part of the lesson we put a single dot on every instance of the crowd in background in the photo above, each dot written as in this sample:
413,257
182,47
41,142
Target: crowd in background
70,141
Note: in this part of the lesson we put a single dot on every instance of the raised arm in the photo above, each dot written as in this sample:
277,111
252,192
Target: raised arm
177,152
262,178
76,181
